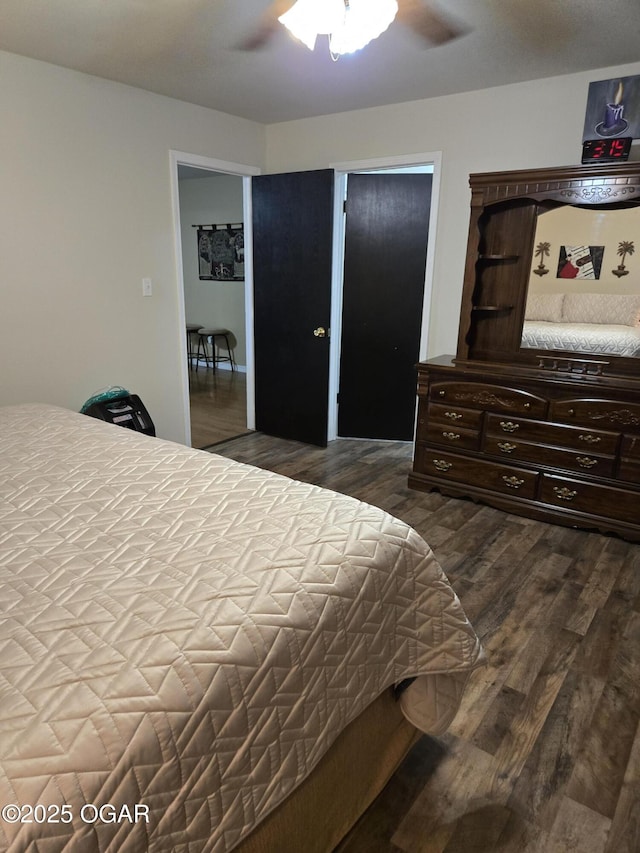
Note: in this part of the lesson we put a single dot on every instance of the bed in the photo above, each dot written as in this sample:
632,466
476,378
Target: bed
193,650
593,338
595,323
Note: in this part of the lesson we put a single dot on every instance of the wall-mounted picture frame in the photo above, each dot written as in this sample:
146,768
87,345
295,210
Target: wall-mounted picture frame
580,262
221,252
613,109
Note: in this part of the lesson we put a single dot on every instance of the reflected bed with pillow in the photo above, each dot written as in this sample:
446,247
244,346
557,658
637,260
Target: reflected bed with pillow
596,323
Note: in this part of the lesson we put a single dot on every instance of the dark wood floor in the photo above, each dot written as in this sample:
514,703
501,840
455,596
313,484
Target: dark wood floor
544,755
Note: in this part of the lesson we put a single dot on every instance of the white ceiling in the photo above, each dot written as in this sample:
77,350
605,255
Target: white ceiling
186,49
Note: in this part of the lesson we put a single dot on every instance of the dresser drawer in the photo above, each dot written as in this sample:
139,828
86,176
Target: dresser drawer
452,437
475,472
491,398
629,470
587,441
630,447
600,413
578,496
630,459
552,457
455,416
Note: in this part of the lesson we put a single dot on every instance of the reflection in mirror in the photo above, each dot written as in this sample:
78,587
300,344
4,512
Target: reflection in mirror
584,286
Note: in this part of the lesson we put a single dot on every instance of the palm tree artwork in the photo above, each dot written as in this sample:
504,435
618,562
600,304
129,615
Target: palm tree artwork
542,250
625,247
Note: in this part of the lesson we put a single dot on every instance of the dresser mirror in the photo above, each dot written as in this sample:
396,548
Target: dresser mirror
552,277
583,293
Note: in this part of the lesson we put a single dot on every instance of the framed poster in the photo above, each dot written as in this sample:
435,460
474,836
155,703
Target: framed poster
613,109
221,252
580,262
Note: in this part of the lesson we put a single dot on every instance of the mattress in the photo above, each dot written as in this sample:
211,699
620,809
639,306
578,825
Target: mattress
594,338
183,637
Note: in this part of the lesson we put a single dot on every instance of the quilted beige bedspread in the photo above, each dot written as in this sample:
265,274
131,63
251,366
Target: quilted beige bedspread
182,637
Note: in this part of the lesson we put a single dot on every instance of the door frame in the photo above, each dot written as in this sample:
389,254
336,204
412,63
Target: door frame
342,170
210,164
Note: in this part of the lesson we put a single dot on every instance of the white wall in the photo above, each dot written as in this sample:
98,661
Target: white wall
525,125
219,304
86,213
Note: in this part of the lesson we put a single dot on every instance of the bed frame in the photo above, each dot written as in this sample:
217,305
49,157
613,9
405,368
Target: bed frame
367,753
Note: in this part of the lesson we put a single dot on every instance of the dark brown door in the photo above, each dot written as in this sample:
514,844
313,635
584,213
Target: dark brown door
292,252
387,224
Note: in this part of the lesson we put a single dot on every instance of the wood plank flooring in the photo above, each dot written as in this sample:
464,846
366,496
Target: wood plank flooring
544,755
217,404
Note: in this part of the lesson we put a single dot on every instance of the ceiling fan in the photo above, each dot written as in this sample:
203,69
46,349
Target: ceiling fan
429,24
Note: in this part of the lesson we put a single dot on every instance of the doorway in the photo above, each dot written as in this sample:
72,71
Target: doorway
382,319
410,162
386,236
218,403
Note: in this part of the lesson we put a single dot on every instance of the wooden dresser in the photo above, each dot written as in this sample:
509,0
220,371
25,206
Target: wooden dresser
553,435
546,449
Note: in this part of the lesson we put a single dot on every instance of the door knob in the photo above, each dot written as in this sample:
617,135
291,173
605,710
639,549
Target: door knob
320,332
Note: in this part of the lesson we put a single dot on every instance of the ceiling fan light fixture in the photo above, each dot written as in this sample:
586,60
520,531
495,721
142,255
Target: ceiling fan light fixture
363,21
307,19
350,24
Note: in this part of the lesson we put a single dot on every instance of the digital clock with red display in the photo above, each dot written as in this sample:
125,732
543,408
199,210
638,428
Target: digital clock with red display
606,150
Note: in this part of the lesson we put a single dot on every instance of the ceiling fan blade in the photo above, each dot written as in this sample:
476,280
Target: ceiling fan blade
429,24
267,26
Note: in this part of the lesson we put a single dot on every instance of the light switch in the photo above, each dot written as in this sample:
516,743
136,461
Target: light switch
147,287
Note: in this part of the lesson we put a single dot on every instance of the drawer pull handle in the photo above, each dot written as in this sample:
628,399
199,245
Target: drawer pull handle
442,465
506,447
509,426
513,482
453,416
586,461
590,439
442,393
564,494
452,436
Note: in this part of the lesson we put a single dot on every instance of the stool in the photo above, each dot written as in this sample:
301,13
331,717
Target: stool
203,337
192,329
